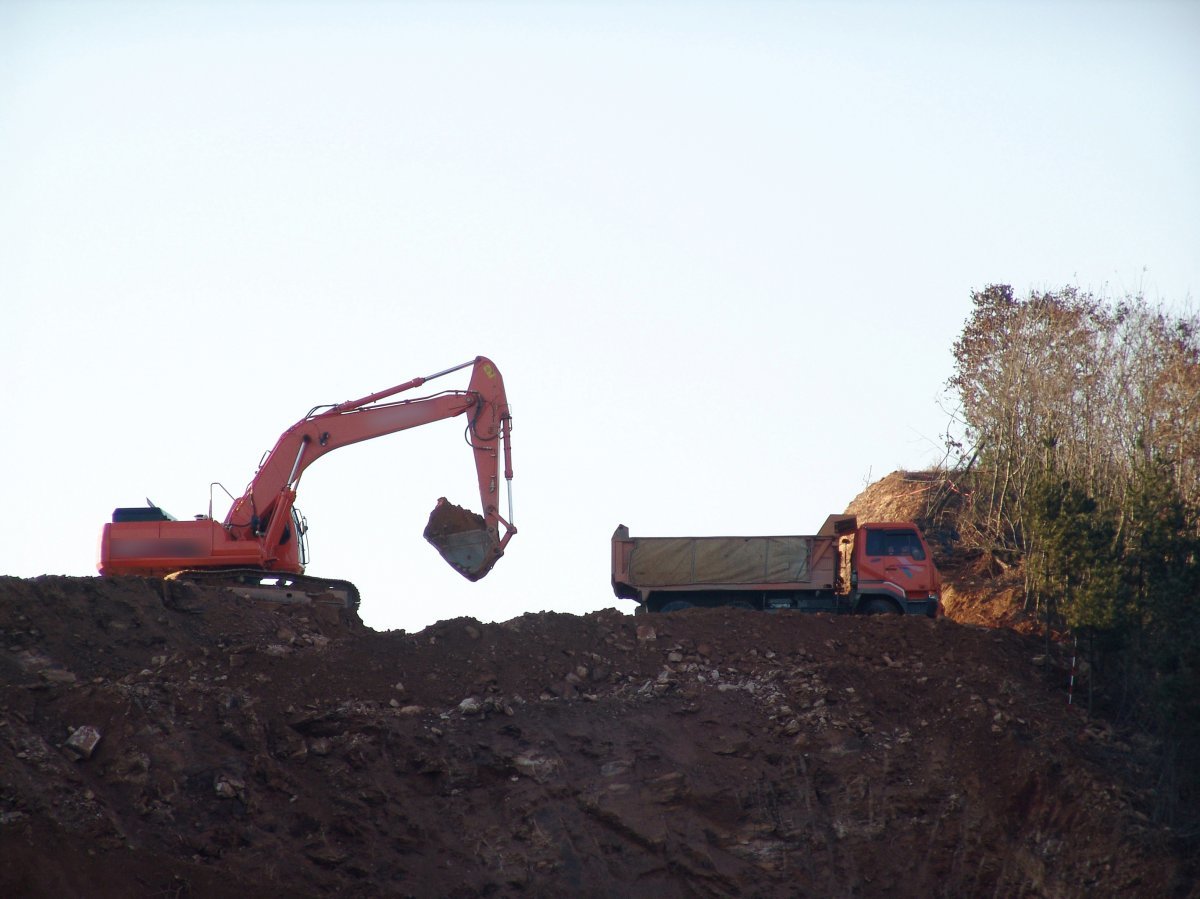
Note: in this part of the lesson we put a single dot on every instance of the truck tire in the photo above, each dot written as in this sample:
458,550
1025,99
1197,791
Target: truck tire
878,606
676,605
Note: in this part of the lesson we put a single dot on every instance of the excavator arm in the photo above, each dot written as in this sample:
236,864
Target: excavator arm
470,543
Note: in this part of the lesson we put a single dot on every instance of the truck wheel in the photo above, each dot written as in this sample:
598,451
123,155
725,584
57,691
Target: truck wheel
877,607
677,605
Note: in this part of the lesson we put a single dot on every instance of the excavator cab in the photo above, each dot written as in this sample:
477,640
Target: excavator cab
300,528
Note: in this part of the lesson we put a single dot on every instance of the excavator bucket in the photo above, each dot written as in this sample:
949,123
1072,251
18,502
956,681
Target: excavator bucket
463,539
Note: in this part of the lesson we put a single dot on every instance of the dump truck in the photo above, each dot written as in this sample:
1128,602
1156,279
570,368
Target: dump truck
846,567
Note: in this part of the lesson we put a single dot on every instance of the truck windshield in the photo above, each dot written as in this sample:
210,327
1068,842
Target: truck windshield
894,543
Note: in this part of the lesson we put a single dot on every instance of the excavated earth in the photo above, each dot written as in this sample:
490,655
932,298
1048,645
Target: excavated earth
162,740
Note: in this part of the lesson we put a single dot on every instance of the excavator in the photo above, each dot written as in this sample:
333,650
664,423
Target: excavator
260,550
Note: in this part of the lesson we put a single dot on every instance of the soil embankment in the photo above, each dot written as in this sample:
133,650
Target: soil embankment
166,741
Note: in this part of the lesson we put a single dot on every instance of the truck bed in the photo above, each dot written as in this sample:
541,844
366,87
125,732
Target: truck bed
682,563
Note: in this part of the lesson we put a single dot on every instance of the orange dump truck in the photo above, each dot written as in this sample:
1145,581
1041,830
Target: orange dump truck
869,568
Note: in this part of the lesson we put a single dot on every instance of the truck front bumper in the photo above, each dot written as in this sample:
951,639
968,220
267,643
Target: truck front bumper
930,608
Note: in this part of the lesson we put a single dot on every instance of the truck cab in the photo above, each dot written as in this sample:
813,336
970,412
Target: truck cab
891,570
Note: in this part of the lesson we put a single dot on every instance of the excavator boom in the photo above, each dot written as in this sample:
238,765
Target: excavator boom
264,532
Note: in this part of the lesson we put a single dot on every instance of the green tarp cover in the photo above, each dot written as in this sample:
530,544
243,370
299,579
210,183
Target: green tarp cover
669,561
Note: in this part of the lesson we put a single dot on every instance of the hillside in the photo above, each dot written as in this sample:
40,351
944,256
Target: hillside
160,740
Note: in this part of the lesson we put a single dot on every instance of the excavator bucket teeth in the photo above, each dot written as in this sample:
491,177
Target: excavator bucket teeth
463,539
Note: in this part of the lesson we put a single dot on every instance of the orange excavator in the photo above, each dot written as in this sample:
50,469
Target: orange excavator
260,550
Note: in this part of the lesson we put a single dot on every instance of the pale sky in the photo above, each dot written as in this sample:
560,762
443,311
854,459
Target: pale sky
719,251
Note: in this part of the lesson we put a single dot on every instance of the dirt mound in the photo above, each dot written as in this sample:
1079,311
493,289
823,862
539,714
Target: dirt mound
901,496
158,740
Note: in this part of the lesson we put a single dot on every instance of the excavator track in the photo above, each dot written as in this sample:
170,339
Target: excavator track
275,587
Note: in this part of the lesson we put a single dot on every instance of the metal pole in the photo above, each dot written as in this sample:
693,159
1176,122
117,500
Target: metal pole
1071,682
296,464
506,437
447,371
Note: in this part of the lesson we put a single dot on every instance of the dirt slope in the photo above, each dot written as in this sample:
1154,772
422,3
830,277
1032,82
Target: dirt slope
709,753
